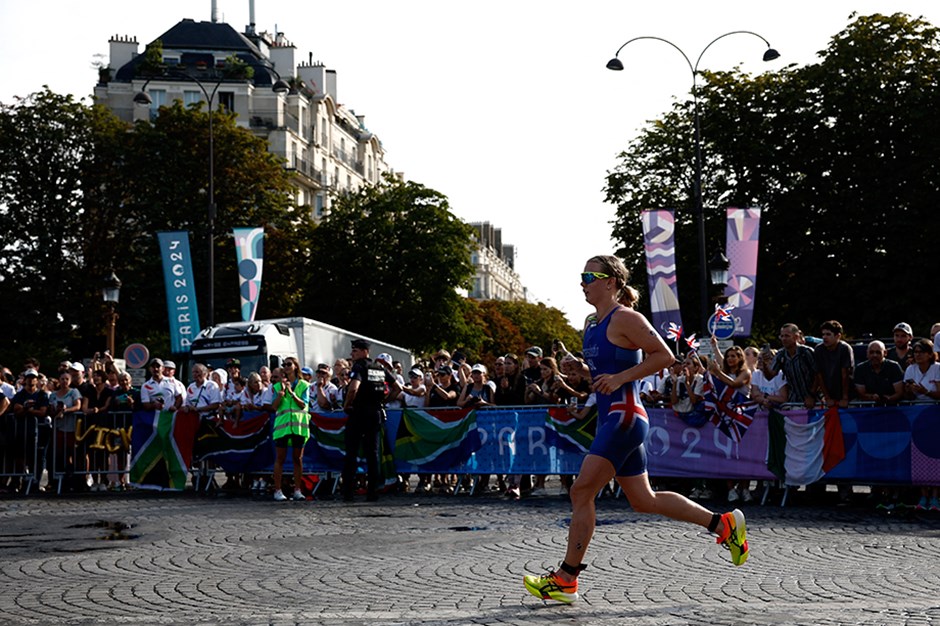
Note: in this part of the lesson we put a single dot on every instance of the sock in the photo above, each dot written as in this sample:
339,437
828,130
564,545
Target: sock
716,518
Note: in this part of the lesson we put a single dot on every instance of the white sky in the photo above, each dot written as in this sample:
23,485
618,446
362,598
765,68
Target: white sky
504,106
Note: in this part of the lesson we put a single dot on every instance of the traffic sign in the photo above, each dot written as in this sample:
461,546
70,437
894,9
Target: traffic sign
136,355
723,328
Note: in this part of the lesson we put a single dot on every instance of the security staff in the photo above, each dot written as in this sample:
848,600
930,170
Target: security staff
368,388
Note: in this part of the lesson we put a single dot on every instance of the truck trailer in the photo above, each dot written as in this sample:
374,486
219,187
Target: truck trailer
269,342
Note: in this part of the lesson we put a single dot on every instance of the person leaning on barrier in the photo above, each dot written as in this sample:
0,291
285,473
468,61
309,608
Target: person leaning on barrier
922,379
798,364
32,403
95,405
879,379
158,393
202,395
901,352
510,387
126,397
258,397
835,363
768,388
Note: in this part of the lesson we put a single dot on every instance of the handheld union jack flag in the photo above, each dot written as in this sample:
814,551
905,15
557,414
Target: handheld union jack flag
674,331
730,410
723,312
692,342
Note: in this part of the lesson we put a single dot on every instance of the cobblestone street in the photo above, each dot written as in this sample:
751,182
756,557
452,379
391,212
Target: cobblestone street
144,559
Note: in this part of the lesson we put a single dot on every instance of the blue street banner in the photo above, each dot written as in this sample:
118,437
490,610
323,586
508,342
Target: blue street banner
180,290
741,246
249,253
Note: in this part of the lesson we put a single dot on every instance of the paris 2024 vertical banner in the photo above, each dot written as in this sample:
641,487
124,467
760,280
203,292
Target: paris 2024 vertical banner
180,290
249,252
741,247
659,227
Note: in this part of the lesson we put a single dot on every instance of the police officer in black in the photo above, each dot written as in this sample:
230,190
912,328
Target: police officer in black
369,386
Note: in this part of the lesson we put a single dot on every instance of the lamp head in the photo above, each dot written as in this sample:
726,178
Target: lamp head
280,86
770,54
615,64
142,97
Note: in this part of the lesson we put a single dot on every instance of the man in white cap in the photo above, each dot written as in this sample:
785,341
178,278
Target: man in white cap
169,372
385,360
159,393
77,370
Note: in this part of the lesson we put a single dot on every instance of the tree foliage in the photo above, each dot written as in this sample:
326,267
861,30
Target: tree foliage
387,262
81,195
515,326
843,157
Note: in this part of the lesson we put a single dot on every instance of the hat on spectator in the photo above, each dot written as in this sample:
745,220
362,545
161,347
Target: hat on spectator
233,363
169,364
905,327
416,372
306,370
77,366
153,361
535,351
360,344
445,370
459,356
323,367
30,372
385,356
479,367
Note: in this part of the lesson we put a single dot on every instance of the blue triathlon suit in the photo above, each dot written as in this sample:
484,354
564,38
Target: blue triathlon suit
622,423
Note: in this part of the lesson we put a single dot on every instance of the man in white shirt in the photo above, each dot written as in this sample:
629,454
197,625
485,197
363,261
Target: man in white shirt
202,395
159,393
169,372
325,392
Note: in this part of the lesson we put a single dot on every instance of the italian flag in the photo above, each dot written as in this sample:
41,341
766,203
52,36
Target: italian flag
800,452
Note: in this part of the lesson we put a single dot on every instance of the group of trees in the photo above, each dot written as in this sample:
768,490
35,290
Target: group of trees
81,195
843,156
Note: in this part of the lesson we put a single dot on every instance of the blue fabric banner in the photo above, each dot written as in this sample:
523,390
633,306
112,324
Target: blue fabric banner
180,290
891,445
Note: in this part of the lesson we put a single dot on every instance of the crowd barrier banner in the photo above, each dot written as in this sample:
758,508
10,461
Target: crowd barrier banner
162,444
899,445
96,445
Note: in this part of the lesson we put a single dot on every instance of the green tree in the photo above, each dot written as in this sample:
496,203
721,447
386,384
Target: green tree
44,138
387,262
540,325
80,195
843,158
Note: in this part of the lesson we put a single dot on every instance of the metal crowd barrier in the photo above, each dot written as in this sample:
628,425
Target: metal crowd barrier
20,444
95,446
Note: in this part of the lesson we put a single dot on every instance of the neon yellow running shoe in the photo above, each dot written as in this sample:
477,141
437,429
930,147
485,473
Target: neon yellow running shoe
550,586
734,536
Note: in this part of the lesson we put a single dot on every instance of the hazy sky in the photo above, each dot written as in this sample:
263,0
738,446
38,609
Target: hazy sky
504,106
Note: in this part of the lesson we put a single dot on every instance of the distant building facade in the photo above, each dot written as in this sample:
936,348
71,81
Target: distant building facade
495,276
325,145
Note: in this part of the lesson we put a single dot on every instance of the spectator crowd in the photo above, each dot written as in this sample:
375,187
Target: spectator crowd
804,371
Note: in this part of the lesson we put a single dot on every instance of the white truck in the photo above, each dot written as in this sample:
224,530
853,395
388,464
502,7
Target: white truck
268,342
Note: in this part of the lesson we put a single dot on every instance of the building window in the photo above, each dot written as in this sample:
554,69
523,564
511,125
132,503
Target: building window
227,100
191,97
319,204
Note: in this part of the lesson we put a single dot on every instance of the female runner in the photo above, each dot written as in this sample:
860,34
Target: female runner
613,340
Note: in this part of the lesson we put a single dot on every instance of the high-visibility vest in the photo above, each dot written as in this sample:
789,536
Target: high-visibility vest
292,417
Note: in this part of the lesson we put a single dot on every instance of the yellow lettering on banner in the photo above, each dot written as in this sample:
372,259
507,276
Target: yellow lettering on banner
99,439
80,434
126,437
114,433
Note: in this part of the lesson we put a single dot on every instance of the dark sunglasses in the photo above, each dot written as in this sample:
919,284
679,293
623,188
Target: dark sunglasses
589,277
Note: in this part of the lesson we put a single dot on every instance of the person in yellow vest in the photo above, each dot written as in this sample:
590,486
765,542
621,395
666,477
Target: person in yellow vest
291,423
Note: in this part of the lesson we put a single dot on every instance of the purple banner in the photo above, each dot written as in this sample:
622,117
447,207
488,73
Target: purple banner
679,450
249,252
658,239
741,247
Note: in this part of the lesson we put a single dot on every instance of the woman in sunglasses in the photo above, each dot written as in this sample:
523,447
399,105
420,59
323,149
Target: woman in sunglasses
614,337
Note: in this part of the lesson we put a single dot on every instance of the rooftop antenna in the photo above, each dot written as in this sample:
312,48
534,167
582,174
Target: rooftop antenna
215,12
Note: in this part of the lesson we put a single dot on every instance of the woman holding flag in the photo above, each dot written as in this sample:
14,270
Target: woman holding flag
614,337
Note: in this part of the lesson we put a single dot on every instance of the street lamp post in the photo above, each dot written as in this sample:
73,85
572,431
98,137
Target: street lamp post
615,64
111,293
280,86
